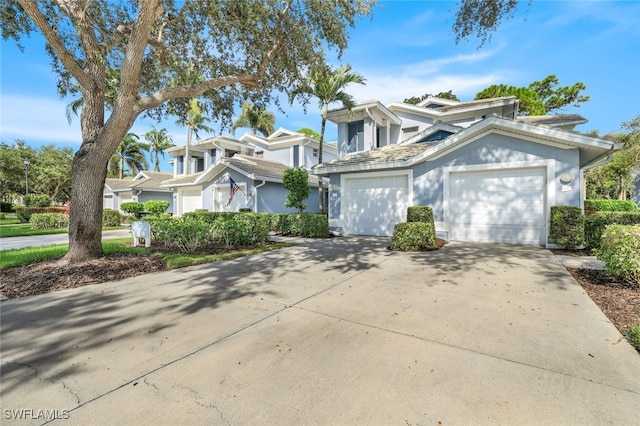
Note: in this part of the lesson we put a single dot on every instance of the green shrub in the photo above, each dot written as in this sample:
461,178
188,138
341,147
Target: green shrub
132,207
592,206
308,225
597,222
244,210
2,216
420,214
185,234
37,200
111,218
413,236
208,216
567,226
49,220
156,207
6,207
24,213
634,336
620,251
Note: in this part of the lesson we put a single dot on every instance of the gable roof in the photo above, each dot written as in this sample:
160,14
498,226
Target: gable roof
398,156
115,184
251,167
283,138
144,180
150,180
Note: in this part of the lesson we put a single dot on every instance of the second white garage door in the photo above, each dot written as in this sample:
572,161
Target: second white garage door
191,199
375,204
506,206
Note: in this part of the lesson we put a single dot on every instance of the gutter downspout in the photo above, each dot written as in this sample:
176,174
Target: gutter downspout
255,196
615,147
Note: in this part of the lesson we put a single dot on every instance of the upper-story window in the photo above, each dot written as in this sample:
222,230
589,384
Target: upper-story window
437,136
212,154
180,164
199,165
296,156
230,153
355,136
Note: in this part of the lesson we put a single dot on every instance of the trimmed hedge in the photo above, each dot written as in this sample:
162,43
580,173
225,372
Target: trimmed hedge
413,236
156,207
620,251
197,231
111,218
596,223
36,200
308,225
567,226
133,207
592,206
24,213
420,214
49,220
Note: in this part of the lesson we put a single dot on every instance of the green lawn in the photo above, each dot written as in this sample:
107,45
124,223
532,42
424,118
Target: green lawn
25,230
25,256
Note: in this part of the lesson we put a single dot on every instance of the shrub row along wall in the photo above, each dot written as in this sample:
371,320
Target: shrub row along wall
592,206
197,230
567,226
49,220
596,223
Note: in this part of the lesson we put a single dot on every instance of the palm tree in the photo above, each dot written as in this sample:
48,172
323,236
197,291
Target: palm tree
256,118
130,152
328,86
159,141
194,121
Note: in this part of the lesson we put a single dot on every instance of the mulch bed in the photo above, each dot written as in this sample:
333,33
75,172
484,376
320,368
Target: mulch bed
618,299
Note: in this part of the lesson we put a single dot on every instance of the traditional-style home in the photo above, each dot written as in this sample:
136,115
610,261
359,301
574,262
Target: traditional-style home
143,187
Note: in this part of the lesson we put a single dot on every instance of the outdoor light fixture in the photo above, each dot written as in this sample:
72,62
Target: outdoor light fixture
26,174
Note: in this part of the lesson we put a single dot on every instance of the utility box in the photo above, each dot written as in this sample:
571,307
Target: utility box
141,229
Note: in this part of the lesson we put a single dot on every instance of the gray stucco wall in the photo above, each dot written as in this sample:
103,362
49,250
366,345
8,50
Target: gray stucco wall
496,149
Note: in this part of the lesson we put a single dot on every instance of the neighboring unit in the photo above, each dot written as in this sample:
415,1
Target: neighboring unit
143,187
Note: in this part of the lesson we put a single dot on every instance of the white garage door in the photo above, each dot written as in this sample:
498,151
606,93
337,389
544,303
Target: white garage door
506,206
375,204
191,199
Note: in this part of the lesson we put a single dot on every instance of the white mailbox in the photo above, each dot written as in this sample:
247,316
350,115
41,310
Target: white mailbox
141,229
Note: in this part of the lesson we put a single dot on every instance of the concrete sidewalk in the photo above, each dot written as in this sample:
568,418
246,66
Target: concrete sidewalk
47,240
339,331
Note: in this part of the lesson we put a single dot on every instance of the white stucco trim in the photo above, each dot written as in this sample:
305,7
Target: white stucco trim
344,199
550,196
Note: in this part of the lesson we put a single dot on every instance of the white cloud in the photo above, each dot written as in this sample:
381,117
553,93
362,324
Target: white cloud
37,120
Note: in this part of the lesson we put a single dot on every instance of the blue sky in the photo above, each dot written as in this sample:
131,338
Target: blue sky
406,49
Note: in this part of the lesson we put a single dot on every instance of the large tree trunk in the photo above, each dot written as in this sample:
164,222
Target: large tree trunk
88,175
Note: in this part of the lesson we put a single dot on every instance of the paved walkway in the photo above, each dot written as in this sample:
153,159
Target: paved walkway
340,331
46,240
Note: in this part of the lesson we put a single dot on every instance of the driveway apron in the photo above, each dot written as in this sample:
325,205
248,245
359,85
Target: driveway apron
337,331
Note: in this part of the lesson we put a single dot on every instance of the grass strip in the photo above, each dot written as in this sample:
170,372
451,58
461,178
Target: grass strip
26,256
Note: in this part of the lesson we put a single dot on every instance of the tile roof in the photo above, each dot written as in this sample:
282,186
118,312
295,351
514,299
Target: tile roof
117,184
182,180
259,167
153,180
553,120
387,154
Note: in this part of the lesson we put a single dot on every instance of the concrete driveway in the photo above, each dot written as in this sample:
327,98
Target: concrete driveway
340,331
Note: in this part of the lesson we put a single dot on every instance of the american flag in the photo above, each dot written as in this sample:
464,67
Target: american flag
234,188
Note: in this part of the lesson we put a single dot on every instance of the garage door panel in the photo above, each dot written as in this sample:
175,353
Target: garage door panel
376,204
500,206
